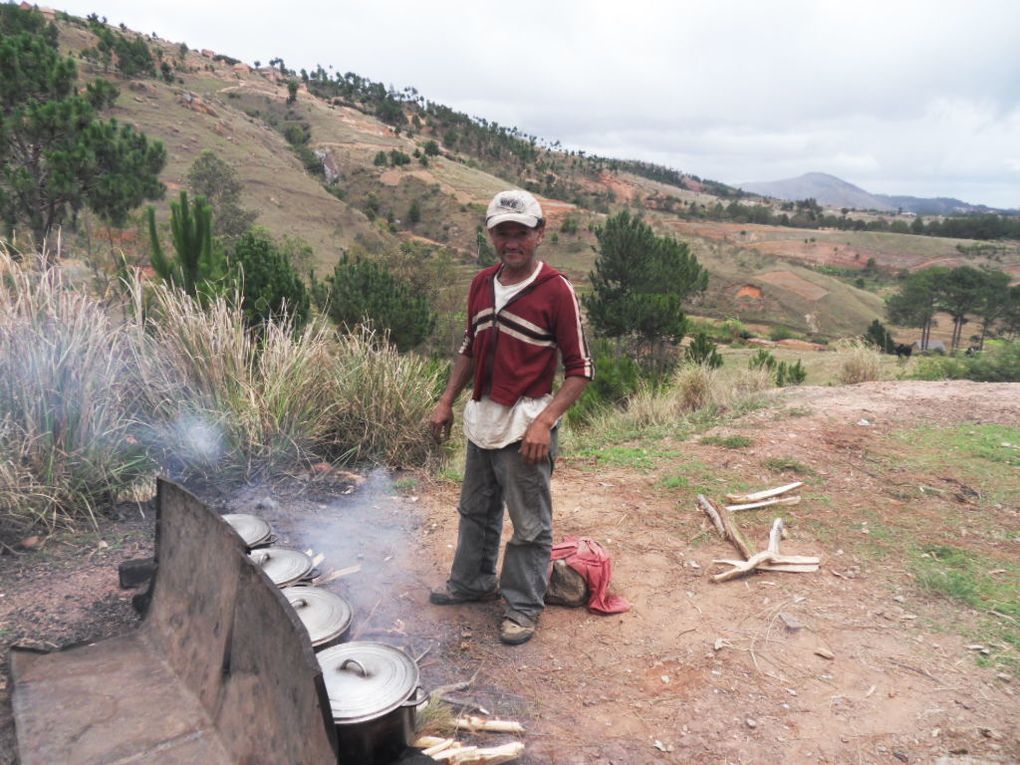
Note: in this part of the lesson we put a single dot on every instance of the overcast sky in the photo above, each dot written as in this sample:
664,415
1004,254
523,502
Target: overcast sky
895,96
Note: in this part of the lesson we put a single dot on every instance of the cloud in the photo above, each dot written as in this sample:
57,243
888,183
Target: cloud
923,93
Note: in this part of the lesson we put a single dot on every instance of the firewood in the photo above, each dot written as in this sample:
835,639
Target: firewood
492,755
325,578
447,755
789,568
745,567
765,494
477,724
775,535
776,560
795,499
729,528
712,513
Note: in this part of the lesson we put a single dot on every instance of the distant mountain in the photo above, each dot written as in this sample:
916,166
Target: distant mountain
831,191
825,189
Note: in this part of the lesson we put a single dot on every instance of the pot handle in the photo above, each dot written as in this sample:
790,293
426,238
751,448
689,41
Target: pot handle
358,664
415,701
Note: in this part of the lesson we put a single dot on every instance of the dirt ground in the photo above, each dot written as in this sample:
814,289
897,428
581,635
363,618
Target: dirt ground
696,672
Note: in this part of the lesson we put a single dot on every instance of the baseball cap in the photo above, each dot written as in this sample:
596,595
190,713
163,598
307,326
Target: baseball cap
513,205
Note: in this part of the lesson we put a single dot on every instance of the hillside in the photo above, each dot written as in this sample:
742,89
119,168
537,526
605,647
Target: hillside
311,169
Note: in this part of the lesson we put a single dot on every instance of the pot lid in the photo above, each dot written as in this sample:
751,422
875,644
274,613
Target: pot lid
325,614
366,680
250,528
281,565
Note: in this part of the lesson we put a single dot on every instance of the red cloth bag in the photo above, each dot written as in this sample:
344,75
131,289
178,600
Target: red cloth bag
590,559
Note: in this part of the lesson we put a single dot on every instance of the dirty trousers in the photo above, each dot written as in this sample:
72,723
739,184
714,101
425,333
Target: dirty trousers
492,477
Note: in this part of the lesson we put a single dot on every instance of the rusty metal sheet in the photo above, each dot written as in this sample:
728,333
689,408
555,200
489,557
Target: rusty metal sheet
275,708
221,670
106,703
199,556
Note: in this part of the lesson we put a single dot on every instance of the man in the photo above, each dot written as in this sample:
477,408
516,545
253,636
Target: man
522,314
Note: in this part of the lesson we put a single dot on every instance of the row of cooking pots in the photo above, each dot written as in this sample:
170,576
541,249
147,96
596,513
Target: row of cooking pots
373,688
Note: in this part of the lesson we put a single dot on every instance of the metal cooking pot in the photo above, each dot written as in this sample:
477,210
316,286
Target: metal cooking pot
326,615
281,565
373,690
253,531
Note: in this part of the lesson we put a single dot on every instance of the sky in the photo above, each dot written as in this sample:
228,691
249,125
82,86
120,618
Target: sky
895,96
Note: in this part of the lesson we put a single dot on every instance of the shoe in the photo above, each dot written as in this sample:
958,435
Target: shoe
512,633
444,596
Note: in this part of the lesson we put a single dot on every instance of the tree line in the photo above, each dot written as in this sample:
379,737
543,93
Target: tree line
966,294
808,214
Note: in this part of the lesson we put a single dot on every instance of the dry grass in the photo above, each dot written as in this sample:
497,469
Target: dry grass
216,393
94,397
384,400
860,362
68,402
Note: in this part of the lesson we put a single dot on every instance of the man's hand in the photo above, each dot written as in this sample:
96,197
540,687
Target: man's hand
535,444
441,422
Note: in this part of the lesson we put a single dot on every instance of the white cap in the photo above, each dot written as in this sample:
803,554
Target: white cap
513,205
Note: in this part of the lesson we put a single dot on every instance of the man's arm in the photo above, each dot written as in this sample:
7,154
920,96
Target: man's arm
441,420
535,444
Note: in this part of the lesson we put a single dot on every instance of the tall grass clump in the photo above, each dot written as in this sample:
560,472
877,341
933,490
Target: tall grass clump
68,400
222,396
861,362
383,400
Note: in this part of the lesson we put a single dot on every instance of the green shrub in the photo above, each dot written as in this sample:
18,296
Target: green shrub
782,373
703,351
779,332
879,337
380,159
398,158
268,284
617,378
367,292
999,362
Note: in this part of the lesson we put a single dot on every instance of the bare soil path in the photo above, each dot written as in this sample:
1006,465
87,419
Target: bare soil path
696,672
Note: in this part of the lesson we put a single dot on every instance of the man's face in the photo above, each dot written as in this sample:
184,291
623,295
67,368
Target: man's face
515,243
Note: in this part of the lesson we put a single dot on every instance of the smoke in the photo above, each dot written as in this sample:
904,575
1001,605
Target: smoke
369,527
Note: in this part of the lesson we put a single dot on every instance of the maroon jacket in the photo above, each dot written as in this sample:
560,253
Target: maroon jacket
515,350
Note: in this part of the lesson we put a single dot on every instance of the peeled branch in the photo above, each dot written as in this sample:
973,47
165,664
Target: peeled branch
477,724
765,494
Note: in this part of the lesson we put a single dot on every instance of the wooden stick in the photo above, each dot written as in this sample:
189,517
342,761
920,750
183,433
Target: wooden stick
794,500
754,497
778,560
476,724
711,512
765,556
431,751
726,525
489,756
325,578
775,535
789,568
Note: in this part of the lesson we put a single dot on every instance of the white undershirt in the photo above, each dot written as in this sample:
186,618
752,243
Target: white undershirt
488,424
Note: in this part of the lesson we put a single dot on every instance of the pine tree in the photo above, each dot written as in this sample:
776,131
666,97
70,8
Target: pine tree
215,180
640,282
56,155
270,287
197,267
365,291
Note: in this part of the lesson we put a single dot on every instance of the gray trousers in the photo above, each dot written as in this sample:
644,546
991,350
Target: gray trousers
492,477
